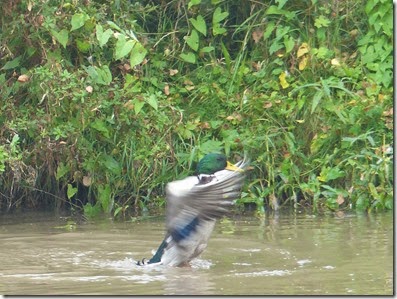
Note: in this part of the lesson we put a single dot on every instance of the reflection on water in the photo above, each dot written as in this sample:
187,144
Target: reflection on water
283,254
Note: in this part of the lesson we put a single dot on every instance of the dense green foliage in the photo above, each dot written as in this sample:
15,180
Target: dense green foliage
106,101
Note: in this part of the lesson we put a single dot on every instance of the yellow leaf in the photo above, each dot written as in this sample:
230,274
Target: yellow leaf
302,63
303,49
283,82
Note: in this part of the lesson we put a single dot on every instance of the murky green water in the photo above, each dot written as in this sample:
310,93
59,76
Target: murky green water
283,254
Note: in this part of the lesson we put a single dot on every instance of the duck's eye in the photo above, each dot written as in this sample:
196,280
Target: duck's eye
219,158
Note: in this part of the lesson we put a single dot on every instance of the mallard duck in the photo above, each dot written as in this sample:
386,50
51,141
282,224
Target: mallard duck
193,206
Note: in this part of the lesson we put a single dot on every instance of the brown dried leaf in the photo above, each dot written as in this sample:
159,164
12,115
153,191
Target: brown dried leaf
167,90
23,78
126,67
274,201
129,105
257,65
340,200
40,20
173,72
267,104
235,116
205,125
87,181
257,35
388,112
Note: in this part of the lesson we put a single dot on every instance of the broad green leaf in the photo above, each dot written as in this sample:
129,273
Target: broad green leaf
199,24
323,52
101,36
210,146
193,2
105,198
219,16
193,40
62,36
91,211
322,21
207,49
123,47
275,46
369,7
269,29
289,43
362,202
371,140
78,20
14,143
12,64
71,191
329,174
111,164
114,26
83,45
138,106
316,99
91,71
274,10
326,88
188,57
105,76
62,169
152,101
117,211
281,3
101,127
138,54
218,30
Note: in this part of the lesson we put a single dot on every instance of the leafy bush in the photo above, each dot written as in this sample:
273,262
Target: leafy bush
106,102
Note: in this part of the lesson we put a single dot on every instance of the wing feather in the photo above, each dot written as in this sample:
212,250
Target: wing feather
188,199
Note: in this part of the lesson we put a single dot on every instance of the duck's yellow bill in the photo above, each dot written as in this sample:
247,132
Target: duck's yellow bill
230,166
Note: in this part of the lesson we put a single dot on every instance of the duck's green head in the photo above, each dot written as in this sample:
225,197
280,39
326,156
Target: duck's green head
212,163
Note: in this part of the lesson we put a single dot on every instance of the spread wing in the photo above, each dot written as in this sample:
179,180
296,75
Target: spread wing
190,200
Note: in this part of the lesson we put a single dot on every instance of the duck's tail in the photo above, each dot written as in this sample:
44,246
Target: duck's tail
156,257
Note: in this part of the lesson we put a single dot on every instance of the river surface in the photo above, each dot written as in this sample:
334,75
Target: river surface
277,254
